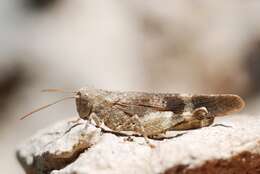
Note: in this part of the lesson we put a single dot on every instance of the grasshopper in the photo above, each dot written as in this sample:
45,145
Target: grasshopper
151,114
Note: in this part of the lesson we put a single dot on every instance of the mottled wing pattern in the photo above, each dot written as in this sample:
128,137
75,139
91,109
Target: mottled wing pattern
217,105
142,103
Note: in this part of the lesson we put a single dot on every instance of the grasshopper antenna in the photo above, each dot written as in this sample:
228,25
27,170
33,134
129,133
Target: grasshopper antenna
58,90
46,106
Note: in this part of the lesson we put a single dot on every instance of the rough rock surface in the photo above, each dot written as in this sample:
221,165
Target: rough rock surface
80,148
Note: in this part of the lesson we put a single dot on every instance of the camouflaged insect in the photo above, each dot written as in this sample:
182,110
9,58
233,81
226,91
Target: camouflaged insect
151,114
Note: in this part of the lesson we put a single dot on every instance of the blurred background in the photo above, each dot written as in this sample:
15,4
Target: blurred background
174,46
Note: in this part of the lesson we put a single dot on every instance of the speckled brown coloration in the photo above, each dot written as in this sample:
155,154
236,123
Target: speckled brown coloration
149,114
218,104
243,163
175,104
134,111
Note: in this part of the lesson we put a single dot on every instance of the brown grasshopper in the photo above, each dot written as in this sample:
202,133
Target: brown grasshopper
151,114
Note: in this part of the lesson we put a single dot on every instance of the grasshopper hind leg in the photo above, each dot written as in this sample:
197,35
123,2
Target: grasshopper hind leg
135,124
159,122
198,118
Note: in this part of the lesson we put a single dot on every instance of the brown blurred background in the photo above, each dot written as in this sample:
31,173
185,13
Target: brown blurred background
170,46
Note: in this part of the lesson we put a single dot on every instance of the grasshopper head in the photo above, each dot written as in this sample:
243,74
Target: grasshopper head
84,105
